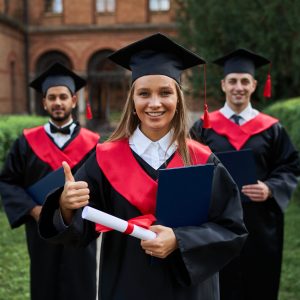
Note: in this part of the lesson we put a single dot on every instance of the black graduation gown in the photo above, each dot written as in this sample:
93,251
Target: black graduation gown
255,274
126,272
53,273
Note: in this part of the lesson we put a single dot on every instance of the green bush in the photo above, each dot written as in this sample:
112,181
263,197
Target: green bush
270,28
288,112
11,127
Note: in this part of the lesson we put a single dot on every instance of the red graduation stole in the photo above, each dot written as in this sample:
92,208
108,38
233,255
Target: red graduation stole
129,179
44,148
238,135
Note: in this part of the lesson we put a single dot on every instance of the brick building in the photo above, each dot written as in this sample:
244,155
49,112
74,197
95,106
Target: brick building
80,34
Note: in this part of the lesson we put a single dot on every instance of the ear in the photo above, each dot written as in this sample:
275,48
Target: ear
254,84
223,85
74,101
44,103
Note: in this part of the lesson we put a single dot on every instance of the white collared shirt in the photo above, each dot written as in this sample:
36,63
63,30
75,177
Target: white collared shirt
59,138
154,153
246,115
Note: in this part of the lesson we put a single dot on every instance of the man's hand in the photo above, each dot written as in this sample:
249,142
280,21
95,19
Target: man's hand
257,192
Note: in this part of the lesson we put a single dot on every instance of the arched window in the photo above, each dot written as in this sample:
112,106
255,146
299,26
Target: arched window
107,87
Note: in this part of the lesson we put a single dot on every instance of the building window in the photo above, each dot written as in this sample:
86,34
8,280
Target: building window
159,5
54,6
105,6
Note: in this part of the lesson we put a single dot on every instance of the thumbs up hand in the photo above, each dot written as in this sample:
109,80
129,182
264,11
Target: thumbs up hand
68,172
74,195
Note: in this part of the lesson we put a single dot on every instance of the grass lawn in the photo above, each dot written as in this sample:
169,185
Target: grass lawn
290,280
14,262
14,281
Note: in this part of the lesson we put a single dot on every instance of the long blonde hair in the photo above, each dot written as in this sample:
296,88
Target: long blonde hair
129,122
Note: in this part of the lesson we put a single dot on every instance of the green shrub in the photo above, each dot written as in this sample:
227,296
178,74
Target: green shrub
11,127
288,112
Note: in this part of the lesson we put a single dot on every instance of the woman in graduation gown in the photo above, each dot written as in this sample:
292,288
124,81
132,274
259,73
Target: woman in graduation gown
120,179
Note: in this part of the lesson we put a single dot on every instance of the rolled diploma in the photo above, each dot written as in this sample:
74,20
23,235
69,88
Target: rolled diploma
100,217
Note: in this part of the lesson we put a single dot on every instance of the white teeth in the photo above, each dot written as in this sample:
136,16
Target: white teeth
154,114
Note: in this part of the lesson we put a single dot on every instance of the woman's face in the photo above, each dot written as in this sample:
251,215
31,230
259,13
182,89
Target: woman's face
155,101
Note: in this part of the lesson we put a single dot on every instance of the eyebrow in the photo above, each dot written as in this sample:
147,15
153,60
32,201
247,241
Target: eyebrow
60,94
243,78
160,87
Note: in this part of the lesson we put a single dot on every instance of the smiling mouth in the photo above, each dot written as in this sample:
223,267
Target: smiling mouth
238,96
155,114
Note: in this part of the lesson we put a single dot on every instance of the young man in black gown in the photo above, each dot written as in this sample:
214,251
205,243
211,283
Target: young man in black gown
255,274
36,153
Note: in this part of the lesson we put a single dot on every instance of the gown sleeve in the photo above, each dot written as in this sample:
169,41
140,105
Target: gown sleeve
282,179
204,250
16,202
197,132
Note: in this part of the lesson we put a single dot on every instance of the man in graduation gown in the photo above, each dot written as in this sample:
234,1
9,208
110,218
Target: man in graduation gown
36,153
121,179
255,274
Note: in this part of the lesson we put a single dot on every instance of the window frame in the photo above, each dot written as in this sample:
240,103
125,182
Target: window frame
159,4
106,4
50,7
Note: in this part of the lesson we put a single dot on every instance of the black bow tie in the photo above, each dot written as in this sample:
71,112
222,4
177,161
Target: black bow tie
64,130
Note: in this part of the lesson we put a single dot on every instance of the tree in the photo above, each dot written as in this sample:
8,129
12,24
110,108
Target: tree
271,28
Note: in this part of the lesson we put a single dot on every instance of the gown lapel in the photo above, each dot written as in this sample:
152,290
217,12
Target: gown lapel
238,135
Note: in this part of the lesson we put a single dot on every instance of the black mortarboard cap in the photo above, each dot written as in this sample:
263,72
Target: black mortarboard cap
241,61
57,75
156,55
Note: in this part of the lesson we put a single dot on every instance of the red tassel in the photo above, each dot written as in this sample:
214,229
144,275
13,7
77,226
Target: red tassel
88,111
267,88
206,120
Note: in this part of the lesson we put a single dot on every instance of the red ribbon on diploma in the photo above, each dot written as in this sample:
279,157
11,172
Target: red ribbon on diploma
144,221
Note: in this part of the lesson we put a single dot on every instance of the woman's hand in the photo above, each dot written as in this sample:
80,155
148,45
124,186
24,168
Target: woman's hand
164,243
74,195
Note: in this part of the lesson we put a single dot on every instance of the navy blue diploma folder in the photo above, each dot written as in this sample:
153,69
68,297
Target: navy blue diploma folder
241,166
39,190
183,195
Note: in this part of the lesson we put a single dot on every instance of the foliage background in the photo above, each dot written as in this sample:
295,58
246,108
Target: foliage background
11,127
269,27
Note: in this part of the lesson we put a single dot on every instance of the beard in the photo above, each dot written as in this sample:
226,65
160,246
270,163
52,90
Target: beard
60,118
